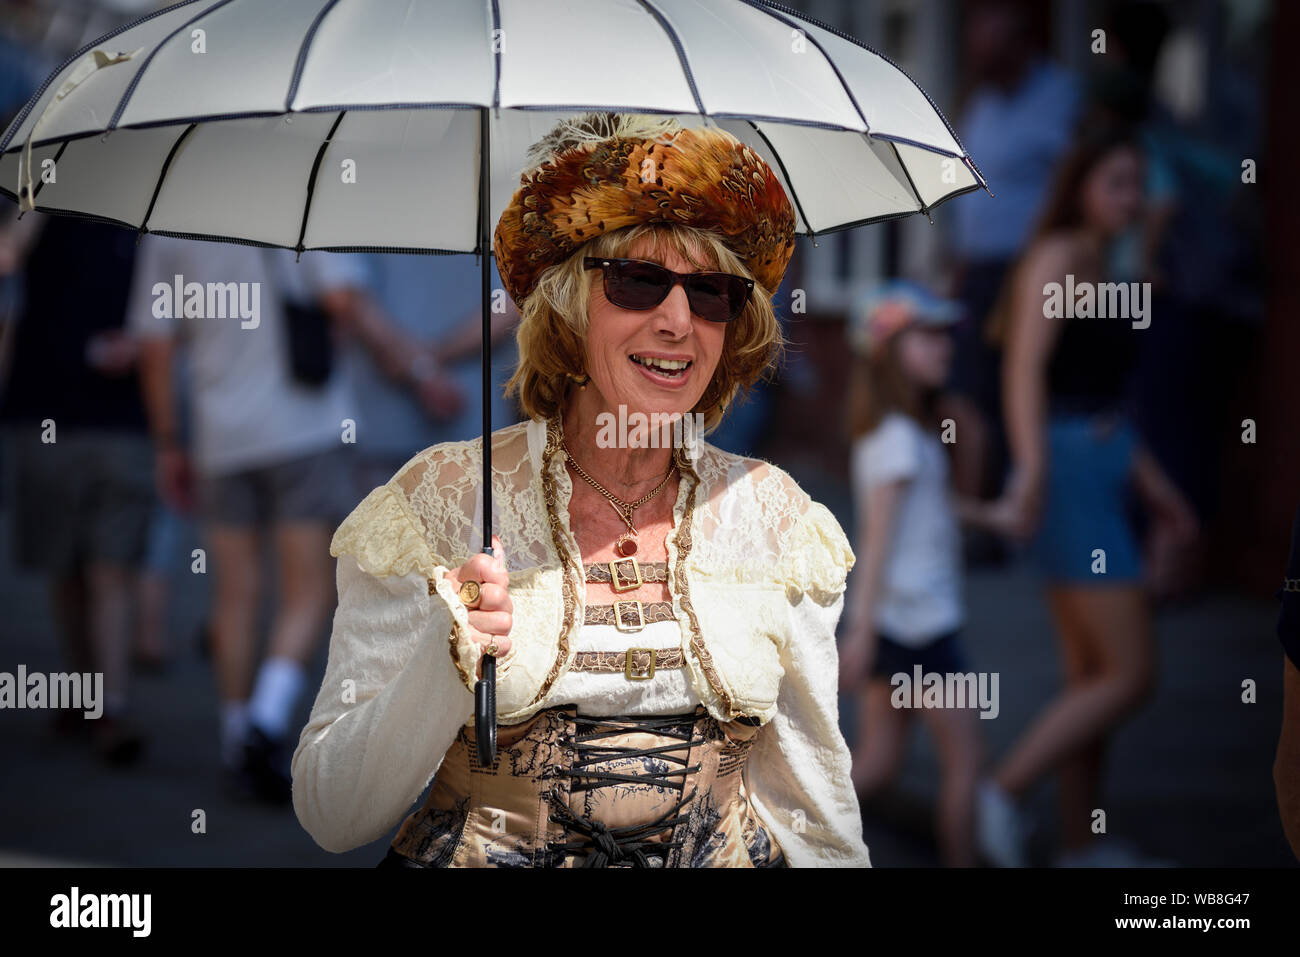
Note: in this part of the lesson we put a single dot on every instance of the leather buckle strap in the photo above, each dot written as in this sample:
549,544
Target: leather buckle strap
629,614
630,578
637,664
600,573
627,665
623,611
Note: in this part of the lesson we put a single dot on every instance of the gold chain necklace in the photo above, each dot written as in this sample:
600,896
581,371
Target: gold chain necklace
626,544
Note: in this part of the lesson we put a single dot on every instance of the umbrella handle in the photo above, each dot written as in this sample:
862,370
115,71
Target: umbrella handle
485,691
485,713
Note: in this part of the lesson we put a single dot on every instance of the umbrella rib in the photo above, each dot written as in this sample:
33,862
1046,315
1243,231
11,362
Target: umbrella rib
496,56
681,52
911,185
789,182
303,50
311,182
162,175
782,18
834,31
135,80
76,57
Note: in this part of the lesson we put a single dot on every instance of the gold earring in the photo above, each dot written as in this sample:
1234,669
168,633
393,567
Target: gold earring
580,379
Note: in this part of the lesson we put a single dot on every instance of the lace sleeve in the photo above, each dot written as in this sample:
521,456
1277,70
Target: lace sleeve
799,772
816,557
398,681
389,707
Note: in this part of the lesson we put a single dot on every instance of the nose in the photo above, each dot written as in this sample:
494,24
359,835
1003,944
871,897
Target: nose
673,317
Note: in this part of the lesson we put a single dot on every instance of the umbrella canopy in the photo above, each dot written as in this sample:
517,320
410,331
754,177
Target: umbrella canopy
403,125
353,124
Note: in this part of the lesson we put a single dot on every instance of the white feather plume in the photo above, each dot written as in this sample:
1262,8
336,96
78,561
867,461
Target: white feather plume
593,127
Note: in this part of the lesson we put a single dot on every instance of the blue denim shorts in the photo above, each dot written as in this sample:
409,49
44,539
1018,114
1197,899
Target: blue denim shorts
1089,468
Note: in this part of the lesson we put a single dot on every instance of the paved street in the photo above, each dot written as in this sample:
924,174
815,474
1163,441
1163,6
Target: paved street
1191,776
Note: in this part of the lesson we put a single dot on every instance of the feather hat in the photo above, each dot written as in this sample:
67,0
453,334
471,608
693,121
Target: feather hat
605,171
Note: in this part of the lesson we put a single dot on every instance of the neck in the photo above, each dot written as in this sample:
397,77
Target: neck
627,473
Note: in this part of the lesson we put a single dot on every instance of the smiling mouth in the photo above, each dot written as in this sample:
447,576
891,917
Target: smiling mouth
669,368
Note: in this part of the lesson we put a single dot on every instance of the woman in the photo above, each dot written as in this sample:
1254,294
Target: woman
663,614
1075,457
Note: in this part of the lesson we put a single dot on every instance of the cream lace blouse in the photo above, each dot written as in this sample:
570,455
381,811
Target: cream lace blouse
757,576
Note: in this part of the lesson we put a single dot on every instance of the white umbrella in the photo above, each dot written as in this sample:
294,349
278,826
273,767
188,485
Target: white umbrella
370,125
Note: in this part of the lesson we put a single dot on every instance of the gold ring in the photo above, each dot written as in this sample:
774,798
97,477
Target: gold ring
470,594
492,649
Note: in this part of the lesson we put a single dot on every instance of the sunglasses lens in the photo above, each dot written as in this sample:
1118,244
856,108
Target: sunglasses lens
717,297
634,285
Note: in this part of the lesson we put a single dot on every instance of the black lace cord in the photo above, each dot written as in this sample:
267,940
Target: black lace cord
605,845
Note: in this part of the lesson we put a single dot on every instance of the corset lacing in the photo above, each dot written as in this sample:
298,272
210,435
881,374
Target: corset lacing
631,843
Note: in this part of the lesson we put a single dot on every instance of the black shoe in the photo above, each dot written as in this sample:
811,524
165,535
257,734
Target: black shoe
266,763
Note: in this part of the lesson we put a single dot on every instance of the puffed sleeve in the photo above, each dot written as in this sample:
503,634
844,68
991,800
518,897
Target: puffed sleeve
398,680
798,775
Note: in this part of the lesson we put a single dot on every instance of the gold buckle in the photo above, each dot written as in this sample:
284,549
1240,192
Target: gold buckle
619,622
627,665
626,584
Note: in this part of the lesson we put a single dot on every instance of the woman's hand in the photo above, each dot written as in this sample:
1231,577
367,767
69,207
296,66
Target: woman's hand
440,395
1015,515
492,619
1174,528
1168,506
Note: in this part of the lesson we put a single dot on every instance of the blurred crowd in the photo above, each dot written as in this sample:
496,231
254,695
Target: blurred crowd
1003,422
142,443
139,449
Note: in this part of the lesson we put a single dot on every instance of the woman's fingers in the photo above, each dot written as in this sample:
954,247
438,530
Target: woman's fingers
493,616
491,622
485,640
494,597
484,568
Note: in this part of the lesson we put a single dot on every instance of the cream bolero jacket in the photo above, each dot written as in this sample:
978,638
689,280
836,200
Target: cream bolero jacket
757,577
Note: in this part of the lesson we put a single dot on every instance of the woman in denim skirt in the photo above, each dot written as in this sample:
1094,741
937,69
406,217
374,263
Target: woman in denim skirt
1070,340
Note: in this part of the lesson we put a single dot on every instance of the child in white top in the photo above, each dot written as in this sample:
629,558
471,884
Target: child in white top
905,602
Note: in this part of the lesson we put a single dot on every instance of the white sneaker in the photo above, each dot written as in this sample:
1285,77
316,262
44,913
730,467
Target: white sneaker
1000,828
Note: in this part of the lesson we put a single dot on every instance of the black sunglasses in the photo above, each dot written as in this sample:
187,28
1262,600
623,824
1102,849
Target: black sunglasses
639,284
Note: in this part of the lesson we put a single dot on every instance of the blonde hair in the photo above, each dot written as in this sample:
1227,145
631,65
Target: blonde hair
553,332
877,386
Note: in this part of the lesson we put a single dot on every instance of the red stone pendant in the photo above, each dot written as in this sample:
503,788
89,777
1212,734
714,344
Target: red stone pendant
626,545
